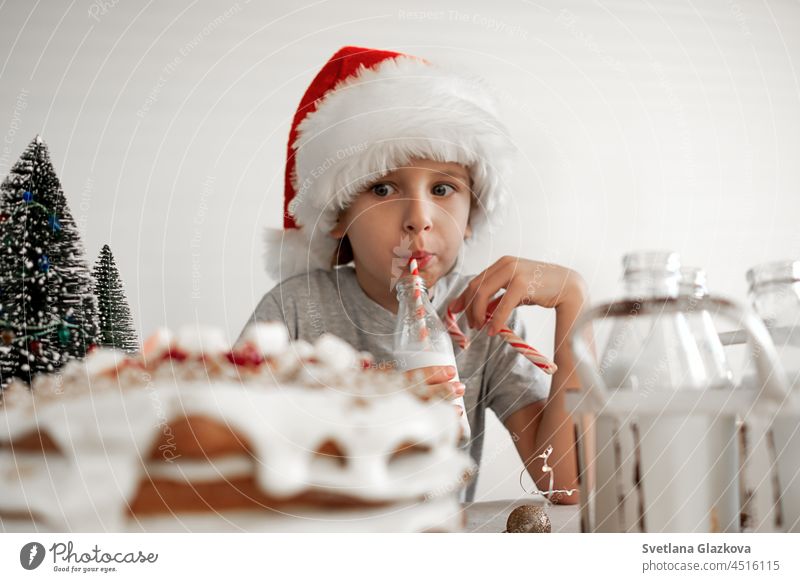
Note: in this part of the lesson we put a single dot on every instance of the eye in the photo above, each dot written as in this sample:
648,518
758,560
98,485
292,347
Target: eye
383,189
441,189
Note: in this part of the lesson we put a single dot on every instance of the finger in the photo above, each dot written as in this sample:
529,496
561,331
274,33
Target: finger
458,389
440,374
448,390
492,307
444,390
432,374
495,282
460,303
464,300
457,306
500,311
459,409
499,308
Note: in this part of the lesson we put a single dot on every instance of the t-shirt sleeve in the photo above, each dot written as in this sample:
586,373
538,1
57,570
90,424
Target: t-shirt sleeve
271,308
513,381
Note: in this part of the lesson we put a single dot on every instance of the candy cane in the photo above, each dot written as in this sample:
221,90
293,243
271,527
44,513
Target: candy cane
536,357
533,355
455,332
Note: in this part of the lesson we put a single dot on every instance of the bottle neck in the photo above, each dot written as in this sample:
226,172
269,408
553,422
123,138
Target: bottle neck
774,274
693,282
419,327
646,285
408,284
650,274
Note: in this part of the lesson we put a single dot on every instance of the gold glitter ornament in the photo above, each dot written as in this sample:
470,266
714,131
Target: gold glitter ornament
528,519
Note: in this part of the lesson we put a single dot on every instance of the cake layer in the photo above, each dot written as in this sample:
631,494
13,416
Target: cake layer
165,496
300,440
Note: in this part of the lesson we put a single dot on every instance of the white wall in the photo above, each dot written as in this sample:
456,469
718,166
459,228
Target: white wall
640,124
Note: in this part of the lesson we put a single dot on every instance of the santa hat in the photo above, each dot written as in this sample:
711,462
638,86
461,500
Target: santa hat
366,113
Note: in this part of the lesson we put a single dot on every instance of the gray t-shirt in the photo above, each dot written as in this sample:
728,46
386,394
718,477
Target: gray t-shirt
333,301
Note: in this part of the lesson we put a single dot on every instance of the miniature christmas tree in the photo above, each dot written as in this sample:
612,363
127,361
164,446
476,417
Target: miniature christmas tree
48,313
116,324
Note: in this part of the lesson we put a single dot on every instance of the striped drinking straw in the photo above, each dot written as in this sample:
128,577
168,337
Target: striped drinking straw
420,307
533,355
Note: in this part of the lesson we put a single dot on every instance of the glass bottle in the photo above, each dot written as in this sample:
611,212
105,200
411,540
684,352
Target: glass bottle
652,351
421,338
701,323
775,294
684,463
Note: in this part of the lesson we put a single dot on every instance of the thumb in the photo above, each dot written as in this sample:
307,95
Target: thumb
457,305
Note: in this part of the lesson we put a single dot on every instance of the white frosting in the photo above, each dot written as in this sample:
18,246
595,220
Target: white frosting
199,340
334,352
268,338
302,348
99,361
228,467
158,343
106,414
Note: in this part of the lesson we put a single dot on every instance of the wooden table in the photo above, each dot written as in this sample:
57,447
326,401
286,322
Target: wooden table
491,516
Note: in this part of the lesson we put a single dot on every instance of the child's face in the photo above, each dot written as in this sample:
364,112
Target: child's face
422,206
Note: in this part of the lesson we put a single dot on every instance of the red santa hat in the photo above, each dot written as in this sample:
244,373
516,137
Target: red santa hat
366,113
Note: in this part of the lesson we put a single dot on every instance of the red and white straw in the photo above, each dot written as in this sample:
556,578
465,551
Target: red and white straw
533,355
420,307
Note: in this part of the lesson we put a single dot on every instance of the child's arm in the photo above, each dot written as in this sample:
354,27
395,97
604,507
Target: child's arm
545,423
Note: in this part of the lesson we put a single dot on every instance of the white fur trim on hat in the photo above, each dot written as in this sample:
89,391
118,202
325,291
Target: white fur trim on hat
375,122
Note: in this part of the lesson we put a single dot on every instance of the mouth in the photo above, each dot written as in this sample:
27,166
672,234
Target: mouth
423,258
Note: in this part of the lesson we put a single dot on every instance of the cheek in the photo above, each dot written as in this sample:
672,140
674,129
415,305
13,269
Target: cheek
455,214
372,228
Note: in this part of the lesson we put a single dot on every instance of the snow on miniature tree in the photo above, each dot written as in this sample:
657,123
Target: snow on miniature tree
116,323
48,312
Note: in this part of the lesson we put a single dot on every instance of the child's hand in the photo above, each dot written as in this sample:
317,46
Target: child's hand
526,282
437,381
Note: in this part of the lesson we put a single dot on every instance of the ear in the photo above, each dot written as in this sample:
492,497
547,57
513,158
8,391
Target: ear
338,230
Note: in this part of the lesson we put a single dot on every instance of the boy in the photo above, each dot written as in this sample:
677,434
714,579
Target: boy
391,157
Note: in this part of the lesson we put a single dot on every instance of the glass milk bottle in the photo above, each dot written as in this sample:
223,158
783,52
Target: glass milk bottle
684,462
717,370
421,338
653,351
775,295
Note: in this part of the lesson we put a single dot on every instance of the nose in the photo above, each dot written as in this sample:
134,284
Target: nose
417,215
